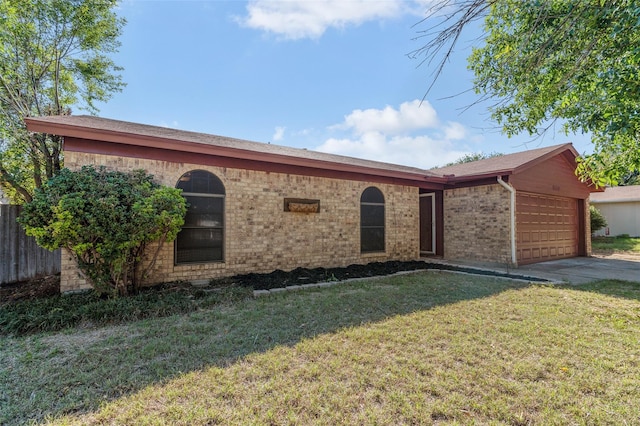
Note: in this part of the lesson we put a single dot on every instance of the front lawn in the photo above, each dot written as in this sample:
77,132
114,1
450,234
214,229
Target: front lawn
620,244
414,349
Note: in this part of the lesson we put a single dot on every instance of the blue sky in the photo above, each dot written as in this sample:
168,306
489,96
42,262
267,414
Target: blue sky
327,75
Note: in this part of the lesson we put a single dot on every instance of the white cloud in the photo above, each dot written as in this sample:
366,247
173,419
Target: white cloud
278,135
173,125
454,131
421,8
419,151
297,19
410,135
410,116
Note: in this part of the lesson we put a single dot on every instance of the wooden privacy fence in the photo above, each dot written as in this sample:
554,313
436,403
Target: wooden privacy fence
20,257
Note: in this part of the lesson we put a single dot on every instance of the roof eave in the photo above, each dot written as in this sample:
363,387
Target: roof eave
469,178
620,200
82,132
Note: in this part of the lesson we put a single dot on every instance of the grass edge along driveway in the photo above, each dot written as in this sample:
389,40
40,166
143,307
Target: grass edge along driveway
415,349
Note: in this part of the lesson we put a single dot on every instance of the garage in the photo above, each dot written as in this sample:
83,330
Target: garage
547,227
519,208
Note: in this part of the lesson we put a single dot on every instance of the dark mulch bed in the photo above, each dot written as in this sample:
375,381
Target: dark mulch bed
36,288
50,286
298,276
278,278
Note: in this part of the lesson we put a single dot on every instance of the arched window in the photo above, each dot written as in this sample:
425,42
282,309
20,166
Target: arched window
371,220
202,236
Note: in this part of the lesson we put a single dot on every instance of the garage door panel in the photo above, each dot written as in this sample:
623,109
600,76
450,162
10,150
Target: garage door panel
547,227
535,253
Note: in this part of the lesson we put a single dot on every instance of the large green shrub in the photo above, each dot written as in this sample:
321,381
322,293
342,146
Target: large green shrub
597,219
107,220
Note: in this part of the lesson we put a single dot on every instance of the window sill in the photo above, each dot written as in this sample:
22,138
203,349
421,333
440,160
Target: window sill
374,254
200,266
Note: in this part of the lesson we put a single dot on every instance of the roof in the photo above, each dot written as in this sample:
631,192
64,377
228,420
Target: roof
505,164
617,194
93,128
108,130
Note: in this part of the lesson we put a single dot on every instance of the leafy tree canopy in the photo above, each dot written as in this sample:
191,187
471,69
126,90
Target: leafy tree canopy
549,60
108,221
53,55
631,178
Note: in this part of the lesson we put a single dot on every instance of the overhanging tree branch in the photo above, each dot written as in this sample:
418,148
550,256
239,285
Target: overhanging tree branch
41,43
547,61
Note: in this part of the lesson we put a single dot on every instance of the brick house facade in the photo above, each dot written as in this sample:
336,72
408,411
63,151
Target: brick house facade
260,236
478,212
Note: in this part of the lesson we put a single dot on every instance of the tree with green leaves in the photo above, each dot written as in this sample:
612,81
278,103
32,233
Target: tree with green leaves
474,156
53,56
544,61
114,224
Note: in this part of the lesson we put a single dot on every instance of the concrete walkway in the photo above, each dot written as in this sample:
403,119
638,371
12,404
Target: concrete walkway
580,270
577,270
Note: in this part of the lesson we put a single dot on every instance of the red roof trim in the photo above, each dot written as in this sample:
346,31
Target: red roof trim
252,153
83,132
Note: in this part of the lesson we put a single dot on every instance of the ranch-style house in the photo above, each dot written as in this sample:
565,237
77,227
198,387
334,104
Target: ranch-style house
257,207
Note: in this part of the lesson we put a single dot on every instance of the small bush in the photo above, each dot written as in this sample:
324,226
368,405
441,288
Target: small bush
597,219
108,221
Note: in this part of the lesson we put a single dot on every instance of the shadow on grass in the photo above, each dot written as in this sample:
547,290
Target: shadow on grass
48,375
616,288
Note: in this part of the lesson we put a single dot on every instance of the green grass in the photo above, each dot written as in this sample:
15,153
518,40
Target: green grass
621,244
414,349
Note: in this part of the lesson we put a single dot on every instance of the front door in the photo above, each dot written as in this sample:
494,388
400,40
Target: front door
427,224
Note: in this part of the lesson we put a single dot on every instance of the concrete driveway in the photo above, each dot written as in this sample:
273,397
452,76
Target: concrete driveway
580,270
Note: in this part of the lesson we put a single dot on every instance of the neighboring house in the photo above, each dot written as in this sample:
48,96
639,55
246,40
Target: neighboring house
620,205
257,207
